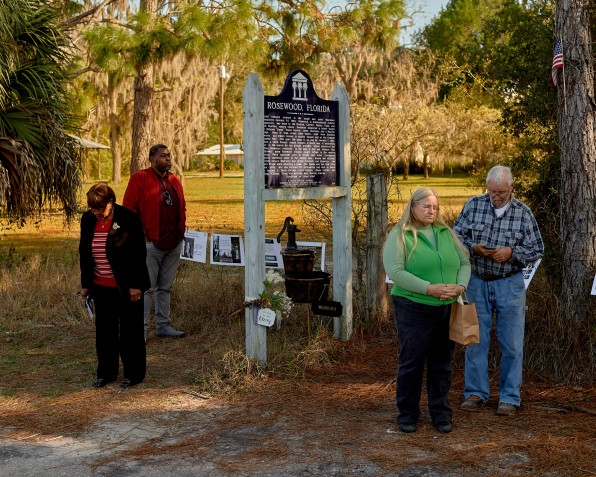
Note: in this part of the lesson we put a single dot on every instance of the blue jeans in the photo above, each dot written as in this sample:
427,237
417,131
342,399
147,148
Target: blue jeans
507,297
162,266
423,335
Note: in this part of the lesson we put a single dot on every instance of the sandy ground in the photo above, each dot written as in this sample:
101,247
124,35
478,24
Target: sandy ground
339,419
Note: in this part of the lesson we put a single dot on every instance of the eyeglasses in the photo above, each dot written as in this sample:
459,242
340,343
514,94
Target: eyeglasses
428,207
97,211
166,194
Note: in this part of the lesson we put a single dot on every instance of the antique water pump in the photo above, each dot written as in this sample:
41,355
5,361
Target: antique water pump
292,229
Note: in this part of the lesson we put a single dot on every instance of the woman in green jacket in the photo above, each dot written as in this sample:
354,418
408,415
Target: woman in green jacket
429,268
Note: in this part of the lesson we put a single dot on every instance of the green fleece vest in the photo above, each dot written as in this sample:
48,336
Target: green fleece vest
438,265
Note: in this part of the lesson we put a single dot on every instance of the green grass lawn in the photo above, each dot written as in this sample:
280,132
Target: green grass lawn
216,205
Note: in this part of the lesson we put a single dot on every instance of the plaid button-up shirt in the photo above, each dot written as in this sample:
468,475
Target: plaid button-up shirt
516,228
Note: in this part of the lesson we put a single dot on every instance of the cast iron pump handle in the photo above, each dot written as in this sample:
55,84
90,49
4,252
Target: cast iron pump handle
292,229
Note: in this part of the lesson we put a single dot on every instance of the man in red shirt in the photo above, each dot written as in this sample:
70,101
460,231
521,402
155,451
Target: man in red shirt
157,197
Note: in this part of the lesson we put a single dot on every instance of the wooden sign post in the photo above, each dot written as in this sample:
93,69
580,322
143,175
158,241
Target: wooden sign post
297,168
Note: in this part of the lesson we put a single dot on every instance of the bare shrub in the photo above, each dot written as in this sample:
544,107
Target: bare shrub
554,346
204,296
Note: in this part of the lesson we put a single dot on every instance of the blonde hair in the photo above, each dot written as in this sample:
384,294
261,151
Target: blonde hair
409,221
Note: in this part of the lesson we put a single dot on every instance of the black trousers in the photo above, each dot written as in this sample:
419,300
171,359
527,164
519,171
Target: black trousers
119,333
423,335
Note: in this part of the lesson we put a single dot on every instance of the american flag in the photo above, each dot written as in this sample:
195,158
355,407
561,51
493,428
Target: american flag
557,60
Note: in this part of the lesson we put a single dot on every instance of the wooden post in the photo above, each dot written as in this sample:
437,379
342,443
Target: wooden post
376,226
222,149
86,168
254,211
342,221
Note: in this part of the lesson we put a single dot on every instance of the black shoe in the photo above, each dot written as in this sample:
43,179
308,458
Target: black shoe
407,427
444,427
126,383
101,382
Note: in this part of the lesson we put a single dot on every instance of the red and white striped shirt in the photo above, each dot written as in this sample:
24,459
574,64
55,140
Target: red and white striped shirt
103,274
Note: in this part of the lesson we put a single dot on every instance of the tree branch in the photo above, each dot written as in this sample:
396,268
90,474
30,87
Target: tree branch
88,15
93,68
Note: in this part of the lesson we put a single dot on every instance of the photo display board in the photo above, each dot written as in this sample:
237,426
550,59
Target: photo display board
301,136
194,247
226,250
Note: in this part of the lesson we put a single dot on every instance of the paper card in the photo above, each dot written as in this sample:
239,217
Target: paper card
529,271
594,287
266,317
89,306
227,250
273,257
194,247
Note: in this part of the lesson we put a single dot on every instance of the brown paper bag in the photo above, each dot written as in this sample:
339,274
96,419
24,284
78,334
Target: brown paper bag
463,323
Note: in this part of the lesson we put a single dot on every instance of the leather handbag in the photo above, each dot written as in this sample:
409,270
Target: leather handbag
463,322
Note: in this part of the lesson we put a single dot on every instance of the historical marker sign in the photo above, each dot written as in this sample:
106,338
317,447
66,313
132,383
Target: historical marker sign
301,136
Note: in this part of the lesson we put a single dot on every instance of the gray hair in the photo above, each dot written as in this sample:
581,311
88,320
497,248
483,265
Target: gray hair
500,175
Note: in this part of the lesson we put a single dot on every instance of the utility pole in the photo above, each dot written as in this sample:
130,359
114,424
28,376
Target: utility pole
222,151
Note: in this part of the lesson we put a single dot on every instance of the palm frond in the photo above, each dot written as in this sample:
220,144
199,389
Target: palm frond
38,162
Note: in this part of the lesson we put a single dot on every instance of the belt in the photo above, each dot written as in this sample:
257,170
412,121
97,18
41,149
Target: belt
492,278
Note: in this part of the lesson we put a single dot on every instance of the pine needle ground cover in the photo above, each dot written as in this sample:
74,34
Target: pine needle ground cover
319,407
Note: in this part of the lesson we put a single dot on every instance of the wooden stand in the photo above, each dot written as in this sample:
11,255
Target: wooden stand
255,195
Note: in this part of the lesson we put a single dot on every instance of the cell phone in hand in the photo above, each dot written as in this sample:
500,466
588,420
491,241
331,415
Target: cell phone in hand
490,247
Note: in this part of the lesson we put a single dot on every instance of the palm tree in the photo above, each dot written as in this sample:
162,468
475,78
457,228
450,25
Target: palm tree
38,161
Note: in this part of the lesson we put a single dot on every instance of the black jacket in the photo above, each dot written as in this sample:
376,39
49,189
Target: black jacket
125,249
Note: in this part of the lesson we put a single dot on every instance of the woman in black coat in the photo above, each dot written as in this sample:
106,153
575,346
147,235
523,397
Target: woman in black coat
114,274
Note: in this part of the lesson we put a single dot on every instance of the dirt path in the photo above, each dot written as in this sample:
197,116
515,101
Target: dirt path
337,420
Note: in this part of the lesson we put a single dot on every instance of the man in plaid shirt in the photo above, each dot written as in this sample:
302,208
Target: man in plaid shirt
502,236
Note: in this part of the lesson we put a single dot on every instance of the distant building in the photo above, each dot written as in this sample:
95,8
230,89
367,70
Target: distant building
233,153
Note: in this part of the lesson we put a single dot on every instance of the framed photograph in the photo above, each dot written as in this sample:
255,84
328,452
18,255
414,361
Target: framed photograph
194,247
227,250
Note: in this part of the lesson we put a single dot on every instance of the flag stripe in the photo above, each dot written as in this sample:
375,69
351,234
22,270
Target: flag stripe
557,60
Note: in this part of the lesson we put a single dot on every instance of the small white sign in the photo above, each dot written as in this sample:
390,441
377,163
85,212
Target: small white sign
594,287
273,257
266,317
529,271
